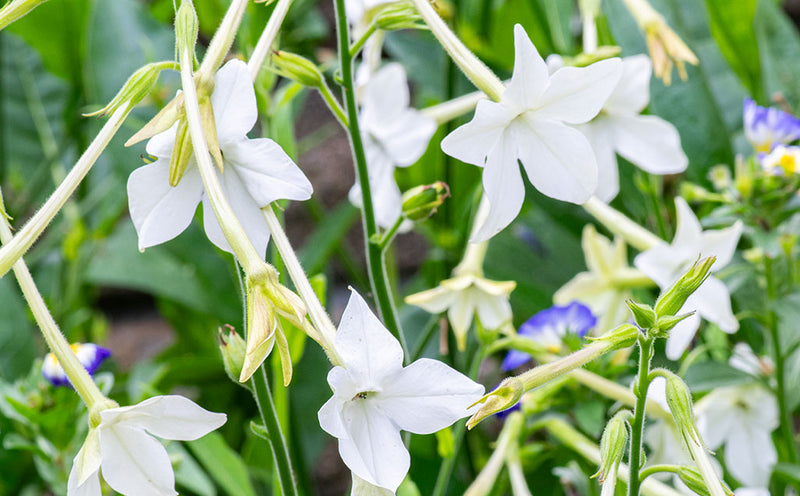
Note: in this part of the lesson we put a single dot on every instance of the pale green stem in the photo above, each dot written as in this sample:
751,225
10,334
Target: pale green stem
632,279
590,9
333,104
475,70
234,233
519,486
484,482
452,109
584,447
472,261
315,309
616,222
78,376
222,40
701,458
643,12
614,391
16,9
359,44
31,231
549,371
267,37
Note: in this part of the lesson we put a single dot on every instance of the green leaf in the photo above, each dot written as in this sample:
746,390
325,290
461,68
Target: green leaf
731,24
705,376
223,464
17,345
787,472
188,472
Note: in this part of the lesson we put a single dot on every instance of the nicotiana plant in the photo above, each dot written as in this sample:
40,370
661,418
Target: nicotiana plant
666,366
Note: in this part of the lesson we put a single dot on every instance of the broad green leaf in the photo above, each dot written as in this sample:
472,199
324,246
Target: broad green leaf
188,472
779,44
705,376
223,464
731,24
17,334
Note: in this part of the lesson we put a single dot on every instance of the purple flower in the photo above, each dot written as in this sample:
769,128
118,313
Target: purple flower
549,326
90,355
765,127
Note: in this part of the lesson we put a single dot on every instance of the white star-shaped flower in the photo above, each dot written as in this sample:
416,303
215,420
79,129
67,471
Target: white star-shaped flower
665,263
132,461
742,418
647,141
375,397
395,135
256,172
532,124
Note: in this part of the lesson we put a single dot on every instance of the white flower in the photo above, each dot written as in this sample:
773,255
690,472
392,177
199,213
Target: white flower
132,461
647,141
745,360
531,125
374,397
606,285
395,135
465,296
742,418
665,263
751,491
782,160
256,172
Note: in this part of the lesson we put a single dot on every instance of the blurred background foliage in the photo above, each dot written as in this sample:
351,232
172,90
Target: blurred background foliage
159,310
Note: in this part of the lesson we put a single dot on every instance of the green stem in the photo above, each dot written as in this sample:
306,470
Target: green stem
428,333
653,191
277,441
377,269
656,469
333,104
359,44
787,431
637,428
388,236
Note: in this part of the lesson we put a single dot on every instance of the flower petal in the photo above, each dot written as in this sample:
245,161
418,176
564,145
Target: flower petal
385,97
435,300
161,144
722,244
87,461
660,264
598,133
159,211
90,487
713,302
460,315
558,159
493,311
632,93
576,94
688,232
472,142
427,396
649,142
330,415
267,171
530,76
681,335
750,454
244,207
505,191
373,450
134,463
233,101
365,345
168,417
406,136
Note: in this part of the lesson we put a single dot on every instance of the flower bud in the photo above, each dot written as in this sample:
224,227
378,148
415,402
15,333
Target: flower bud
421,202
181,153
613,443
504,396
233,349
694,481
619,337
667,322
643,314
262,324
297,68
186,27
679,399
135,88
671,301
399,15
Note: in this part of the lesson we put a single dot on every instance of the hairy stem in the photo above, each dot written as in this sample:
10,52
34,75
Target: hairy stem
637,428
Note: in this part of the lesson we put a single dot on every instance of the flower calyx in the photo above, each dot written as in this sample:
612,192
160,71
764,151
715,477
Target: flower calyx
421,202
297,68
613,444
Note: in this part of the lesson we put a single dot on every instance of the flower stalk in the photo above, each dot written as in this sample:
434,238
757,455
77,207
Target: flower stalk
378,276
267,37
78,376
637,427
222,41
616,222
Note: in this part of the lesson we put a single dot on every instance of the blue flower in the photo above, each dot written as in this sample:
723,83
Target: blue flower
90,355
549,326
765,127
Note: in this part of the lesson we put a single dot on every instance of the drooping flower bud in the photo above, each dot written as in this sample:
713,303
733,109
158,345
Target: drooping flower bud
297,68
135,88
504,396
671,301
422,201
613,443
679,399
233,349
